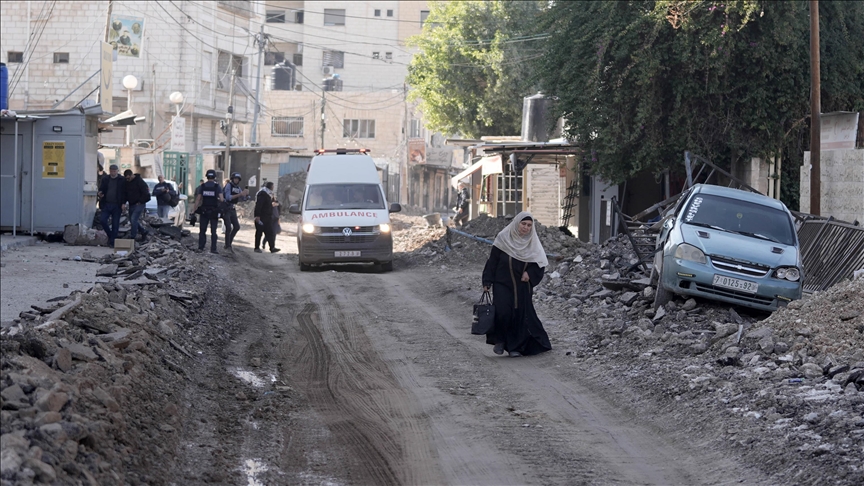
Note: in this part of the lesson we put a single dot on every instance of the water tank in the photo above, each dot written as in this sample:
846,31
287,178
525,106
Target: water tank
4,87
282,77
534,118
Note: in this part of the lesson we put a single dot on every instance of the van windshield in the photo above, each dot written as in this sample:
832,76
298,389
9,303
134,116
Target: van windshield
344,196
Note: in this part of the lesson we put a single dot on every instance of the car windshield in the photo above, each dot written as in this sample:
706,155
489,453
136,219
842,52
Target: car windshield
742,217
344,196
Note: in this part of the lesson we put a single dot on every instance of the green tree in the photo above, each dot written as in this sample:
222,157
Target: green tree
640,82
472,68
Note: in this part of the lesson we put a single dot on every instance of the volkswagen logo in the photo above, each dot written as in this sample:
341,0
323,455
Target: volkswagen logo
346,231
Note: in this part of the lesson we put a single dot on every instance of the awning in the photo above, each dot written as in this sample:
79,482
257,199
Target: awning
489,164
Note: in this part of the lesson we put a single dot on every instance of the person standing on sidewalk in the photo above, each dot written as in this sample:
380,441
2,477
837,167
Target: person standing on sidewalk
137,194
233,194
112,202
207,199
162,193
264,218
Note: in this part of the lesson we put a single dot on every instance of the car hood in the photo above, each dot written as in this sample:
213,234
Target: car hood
739,247
347,217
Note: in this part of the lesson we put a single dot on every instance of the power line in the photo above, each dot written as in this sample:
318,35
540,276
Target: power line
33,46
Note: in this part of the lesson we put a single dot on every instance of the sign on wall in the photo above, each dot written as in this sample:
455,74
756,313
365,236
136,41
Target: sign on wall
126,34
417,151
839,130
178,134
106,91
53,160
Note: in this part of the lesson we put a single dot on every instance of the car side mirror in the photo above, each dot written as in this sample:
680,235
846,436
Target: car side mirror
669,223
395,207
294,209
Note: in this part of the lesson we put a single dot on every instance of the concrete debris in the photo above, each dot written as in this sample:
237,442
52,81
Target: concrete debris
600,311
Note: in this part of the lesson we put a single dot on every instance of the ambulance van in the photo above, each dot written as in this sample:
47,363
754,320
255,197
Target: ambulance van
344,215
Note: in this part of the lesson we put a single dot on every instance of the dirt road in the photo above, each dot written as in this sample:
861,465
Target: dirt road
347,376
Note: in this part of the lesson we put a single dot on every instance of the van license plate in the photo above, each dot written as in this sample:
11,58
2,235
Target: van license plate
736,284
347,254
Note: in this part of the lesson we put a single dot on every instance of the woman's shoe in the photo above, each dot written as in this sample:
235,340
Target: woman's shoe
498,349
257,250
515,354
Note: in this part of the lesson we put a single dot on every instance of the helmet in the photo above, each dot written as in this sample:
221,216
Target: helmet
236,175
211,174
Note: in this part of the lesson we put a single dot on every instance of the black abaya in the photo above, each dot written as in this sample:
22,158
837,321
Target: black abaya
516,323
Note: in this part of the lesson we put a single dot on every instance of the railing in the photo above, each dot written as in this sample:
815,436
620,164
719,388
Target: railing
830,250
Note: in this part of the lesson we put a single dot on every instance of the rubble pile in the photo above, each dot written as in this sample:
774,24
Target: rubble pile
290,188
89,387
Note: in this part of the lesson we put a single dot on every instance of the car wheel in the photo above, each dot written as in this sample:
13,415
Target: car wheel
661,295
387,267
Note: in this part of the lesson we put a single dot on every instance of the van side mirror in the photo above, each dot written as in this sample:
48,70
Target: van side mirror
294,209
395,207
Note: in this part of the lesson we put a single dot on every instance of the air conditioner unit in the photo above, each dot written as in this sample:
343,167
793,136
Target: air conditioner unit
328,70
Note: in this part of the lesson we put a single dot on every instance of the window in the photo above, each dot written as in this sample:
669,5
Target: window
14,56
286,126
423,15
358,128
414,130
377,12
334,16
376,55
388,56
61,58
271,58
389,13
275,16
298,17
226,63
334,58
298,59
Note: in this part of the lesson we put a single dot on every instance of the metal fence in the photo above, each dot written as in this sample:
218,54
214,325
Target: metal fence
831,250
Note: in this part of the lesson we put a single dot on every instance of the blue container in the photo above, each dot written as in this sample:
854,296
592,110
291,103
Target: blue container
4,86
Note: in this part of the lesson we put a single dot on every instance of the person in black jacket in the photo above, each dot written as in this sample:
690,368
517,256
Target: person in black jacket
162,192
207,199
463,205
137,194
112,202
515,266
264,218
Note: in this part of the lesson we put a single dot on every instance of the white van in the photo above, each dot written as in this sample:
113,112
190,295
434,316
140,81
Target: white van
345,217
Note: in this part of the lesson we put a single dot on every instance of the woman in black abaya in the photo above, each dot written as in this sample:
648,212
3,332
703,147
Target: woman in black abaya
513,269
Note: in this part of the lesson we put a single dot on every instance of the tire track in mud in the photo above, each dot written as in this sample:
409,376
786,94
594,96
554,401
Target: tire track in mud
359,397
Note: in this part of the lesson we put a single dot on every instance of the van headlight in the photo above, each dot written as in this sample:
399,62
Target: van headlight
309,228
691,253
791,274
384,227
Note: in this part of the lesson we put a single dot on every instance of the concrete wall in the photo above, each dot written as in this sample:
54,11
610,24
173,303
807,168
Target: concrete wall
842,184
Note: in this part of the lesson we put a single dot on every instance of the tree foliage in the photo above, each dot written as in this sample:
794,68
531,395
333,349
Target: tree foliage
472,68
640,82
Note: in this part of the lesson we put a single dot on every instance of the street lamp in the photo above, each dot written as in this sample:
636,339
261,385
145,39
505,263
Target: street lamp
176,98
130,82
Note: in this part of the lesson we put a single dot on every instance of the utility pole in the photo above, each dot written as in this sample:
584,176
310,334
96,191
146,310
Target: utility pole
230,117
323,118
815,113
261,39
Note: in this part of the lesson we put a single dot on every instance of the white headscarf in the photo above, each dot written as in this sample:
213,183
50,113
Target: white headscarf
525,248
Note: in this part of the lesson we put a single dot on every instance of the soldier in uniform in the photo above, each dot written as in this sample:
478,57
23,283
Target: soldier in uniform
233,194
207,199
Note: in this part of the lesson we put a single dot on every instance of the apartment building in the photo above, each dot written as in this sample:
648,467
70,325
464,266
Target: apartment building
192,47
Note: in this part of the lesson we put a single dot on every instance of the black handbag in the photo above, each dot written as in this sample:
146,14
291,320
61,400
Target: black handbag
484,315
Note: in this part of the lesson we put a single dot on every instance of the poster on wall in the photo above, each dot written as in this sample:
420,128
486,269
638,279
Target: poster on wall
417,151
126,34
53,160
